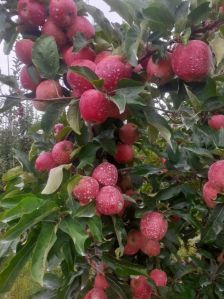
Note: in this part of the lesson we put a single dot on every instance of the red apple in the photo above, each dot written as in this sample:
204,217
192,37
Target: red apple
160,72
23,49
26,80
192,62
61,152
31,12
94,106
63,12
112,69
124,153
85,53
100,56
53,30
128,133
81,25
78,82
47,90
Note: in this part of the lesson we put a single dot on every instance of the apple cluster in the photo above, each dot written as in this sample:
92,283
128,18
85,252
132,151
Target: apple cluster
60,155
215,184
139,286
190,62
153,228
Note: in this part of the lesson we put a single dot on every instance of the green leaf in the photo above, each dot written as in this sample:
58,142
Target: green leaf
87,154
9,80
45,57
169,193
25,206
160,124
127,95
9,42
214,226
52,114
9,103
132,42
123,9
55,179
85,72
76,232
124,268
200,13
29,220
103,22
51,281
96,227
200,152
193,99
159,16
11,272
73,117
11,174
79,42
217,45
23,159
44,294
72,183
117,288
145,170
85,211
120,233
34,74
45,241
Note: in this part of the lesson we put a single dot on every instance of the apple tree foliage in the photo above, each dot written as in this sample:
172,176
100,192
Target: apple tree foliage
39,219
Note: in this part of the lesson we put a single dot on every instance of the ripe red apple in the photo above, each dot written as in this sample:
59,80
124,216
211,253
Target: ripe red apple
85,53
216,122
101,282
61,152
78,82
96,293
86,190
45,162
109,201
209,195
153,226
124,153
160,72
63,12
150,247
140,288
94,106
106,174
159,277
50,29
47,90
81,25
216,175
26,80
192,62
134,238
100,56
23,49
112,69
31,12
128,133
130,250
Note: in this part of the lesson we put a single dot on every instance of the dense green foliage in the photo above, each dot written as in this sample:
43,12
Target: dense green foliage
40,220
